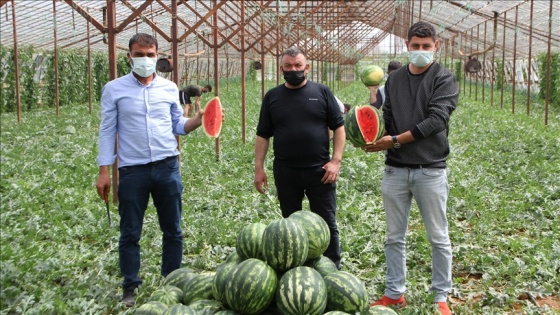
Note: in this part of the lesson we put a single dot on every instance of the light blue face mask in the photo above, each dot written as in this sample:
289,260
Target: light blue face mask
421,58
144,66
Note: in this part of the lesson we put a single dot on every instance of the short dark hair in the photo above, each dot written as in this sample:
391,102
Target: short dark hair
393,65
347,107
422,29
293,51
142,39
208,87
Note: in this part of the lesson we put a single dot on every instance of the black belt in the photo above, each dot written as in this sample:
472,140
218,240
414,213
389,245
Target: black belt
161,161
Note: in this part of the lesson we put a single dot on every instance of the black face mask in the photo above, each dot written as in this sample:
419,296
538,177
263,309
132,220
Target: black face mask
294,78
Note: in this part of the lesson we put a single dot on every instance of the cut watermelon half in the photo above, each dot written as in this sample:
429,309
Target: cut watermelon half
212,118
369,122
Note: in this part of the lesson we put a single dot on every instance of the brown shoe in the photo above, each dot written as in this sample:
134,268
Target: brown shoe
128,297
386,301
443,308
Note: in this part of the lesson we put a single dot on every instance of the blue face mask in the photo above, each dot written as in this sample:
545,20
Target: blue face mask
421,58
144,66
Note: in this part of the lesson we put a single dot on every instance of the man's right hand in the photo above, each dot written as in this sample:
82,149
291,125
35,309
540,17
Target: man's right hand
103,184
261,182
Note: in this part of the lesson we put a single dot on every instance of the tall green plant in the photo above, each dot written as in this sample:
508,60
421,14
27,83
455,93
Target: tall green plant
554,79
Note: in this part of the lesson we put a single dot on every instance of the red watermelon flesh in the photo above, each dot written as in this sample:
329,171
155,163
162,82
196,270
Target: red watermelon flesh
212,118
368,121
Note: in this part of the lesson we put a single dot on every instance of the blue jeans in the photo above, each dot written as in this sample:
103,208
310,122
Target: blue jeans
429,188
162,181
293,183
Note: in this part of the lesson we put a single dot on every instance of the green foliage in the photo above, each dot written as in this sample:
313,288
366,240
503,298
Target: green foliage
499,74
554,79
459,70
59,256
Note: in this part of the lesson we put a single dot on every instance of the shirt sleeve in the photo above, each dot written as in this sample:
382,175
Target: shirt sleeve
178,120
107,129
264,127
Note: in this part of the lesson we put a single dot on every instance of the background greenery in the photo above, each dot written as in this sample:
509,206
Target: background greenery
59,256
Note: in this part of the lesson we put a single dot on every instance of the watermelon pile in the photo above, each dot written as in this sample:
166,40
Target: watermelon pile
277,268
364,125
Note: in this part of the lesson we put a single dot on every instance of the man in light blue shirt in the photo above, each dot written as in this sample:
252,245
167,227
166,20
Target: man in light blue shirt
143,109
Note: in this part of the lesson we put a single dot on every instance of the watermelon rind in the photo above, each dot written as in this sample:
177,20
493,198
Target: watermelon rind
249,241
151,308
317,229
251,287
301,291
234,257
381,310
323,264
168,295
223,272
346,292
199,288
285,244
354,131
179,309
179,278
212,118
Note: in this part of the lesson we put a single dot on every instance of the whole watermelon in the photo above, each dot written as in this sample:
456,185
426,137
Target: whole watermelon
179,309
346,293
301,291
199,288
317,229
381,310
323,264
251,286
206,307
285,244
168,295
151,308
372,75
179,277
223,272
249,241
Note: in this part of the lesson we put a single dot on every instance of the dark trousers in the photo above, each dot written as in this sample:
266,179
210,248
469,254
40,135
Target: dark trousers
293,183
162,181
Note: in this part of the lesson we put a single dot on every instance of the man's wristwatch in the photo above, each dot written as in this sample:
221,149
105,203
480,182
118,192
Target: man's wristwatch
396,144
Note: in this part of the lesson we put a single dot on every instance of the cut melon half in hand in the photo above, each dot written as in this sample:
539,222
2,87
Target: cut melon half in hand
212,118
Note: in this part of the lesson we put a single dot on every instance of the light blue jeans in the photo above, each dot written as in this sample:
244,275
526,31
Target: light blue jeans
429,188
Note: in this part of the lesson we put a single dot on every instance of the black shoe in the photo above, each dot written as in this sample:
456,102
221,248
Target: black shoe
128,297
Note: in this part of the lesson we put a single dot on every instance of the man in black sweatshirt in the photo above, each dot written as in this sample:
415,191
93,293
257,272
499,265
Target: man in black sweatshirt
420,98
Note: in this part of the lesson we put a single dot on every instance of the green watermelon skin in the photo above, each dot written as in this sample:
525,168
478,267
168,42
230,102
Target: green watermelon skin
317,229
223,272
206,307
249,241
178,277
381,310
199,288
151,308
372,75
354,132
346,293
336,313
285,244
234,257
301,291
226,312
168,295
323,264
251,287
179,309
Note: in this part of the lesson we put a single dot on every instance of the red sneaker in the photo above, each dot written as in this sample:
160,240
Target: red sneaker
386,301
443,308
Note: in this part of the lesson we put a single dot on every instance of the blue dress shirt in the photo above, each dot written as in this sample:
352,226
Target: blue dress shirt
145,117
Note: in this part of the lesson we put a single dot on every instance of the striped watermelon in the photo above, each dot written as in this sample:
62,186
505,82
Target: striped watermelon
226,312
249,241
223,272
317,230
234,257
251,286
199,288
301,291
323,264
179,309
364,125
167,294
205,307
151,308
179,277
346,293
285,244
381,310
